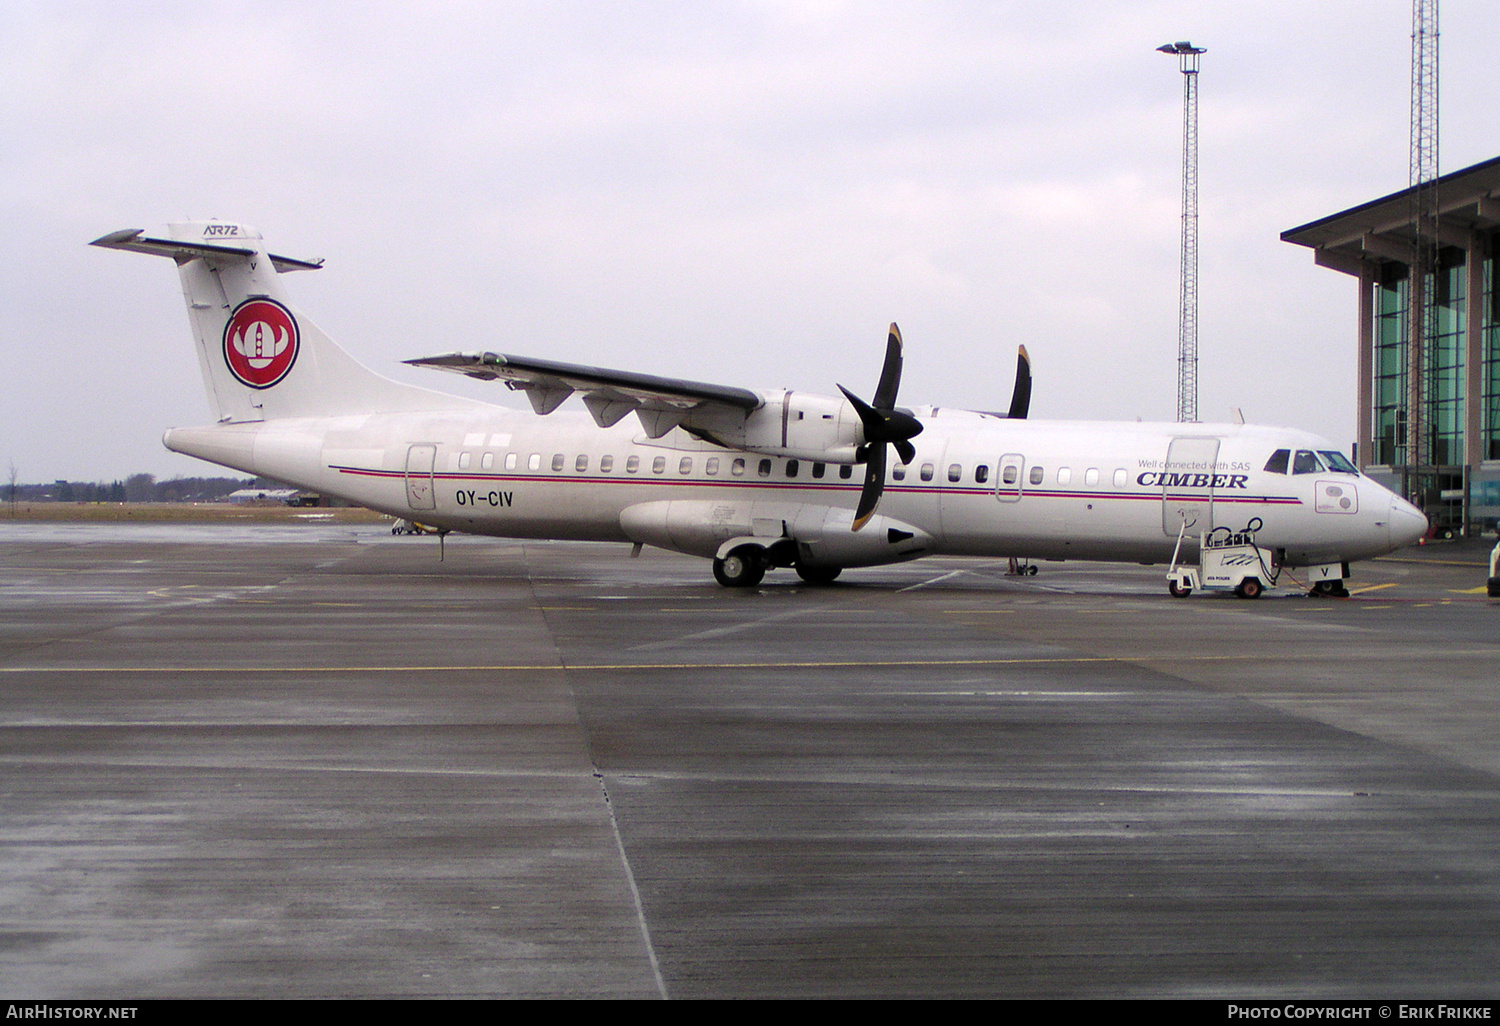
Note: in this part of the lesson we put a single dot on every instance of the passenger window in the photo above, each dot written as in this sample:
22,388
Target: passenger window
1121,477
711,466
685,465
581,464
764,470
659,465
898,471
927,469
534,462
1306,462
558,460
955,471
1064,475
510,461
1036,475
981,473
791,468
463,461
632,464
606,464
845,472
1091,476
819,469
1277,463
737,468
1011,474
488,461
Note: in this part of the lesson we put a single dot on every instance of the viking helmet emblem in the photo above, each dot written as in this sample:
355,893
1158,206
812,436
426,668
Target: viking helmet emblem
260,343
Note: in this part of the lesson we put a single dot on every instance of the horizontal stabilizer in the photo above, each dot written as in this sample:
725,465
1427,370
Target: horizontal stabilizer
137,241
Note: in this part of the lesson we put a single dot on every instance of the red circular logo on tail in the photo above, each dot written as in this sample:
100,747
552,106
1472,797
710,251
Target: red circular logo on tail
260,342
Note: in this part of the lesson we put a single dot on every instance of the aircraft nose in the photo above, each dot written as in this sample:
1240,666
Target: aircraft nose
1407,522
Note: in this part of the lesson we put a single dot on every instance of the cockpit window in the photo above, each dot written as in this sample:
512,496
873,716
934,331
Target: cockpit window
1277,463
1306,462
1338,462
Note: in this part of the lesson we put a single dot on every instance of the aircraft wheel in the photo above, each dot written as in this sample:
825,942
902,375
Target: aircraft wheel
819,574
742,568
1178,590
1249,588
1492,587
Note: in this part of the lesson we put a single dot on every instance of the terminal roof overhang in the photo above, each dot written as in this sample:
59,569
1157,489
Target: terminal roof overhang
1468,201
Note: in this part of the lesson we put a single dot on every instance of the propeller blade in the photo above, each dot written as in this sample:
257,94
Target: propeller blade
1020,396
890,372
868,418
869,495
905,450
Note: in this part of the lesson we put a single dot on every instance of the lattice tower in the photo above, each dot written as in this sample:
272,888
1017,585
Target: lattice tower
1422,329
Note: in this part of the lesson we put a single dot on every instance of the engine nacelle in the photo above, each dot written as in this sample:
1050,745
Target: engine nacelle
823,536
799,425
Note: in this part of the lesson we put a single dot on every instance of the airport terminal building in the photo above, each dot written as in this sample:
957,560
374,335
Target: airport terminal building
1459,384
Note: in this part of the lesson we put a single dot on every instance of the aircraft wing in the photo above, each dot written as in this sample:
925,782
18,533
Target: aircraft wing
660,403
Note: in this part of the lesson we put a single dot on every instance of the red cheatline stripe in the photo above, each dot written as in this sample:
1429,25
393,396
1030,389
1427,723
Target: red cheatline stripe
812,485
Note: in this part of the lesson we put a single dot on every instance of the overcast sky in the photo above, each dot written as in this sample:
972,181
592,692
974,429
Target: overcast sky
743,193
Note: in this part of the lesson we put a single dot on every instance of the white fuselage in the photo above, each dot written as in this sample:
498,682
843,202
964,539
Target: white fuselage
979,485
750,479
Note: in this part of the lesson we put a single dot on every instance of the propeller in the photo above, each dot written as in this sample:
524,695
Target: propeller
884,424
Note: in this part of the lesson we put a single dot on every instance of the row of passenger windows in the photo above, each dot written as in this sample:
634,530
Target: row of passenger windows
711,466
1009,473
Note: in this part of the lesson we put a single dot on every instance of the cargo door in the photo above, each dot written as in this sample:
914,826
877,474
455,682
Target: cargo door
419,489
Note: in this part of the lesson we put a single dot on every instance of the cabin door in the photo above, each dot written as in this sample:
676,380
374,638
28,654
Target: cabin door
1187,495
1008,477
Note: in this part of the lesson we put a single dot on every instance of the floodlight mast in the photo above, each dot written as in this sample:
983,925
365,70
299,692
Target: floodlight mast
1187,317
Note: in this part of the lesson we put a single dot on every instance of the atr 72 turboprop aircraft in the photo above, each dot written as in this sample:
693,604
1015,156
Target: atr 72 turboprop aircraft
751,480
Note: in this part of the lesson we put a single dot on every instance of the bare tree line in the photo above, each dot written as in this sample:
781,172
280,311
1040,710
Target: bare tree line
135,488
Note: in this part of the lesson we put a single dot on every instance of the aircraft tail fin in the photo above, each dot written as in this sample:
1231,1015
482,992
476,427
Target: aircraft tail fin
261,359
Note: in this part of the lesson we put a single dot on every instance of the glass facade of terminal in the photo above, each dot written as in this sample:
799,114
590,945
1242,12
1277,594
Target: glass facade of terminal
1443,363
1391,323
1489,388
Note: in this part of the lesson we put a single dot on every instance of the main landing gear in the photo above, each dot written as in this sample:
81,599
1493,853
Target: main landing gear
819,574
745,566
742,567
